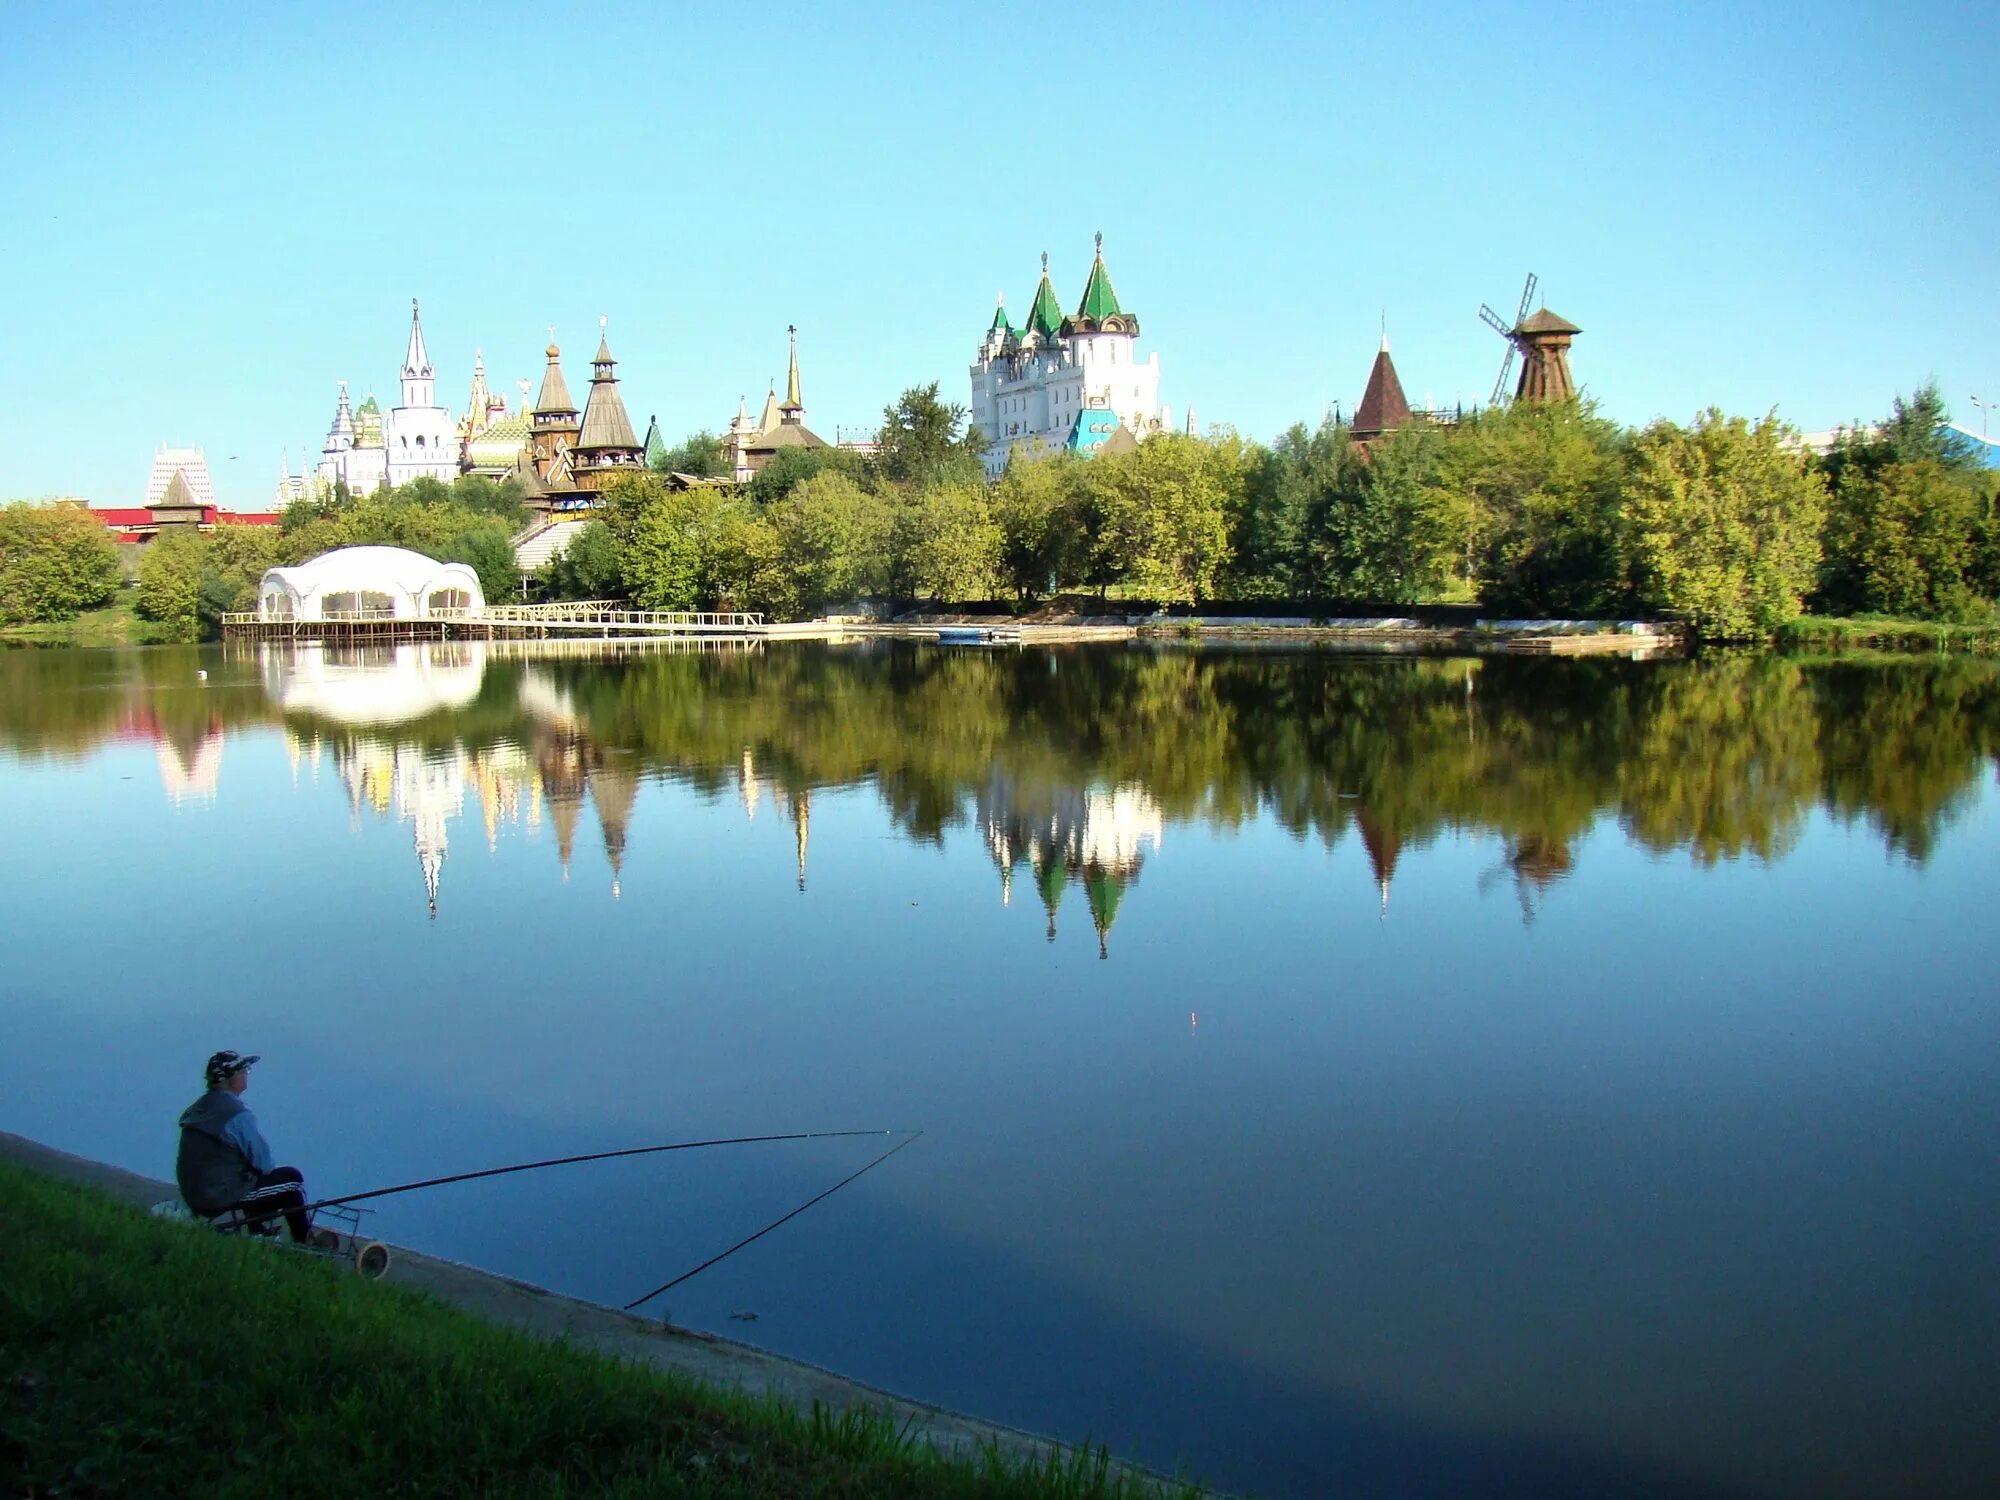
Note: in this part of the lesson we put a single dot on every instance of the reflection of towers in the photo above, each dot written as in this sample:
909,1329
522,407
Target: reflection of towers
299,749
614,788
1100,835
424,788
429,789
1383,845
746,784
801,815
1538,862
499,775
190,769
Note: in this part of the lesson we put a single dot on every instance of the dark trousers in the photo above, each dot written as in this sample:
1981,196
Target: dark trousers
282,1190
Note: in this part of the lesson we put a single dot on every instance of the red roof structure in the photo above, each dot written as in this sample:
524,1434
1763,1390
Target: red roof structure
1383,406
137,523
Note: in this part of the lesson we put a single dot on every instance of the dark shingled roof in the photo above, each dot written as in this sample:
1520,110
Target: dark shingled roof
786,435
1546,322
605,424
1383,406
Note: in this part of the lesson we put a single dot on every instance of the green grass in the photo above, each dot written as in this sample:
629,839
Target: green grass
117,624
1887,633
140,1356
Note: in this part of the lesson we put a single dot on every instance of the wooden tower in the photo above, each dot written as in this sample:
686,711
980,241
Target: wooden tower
1542,340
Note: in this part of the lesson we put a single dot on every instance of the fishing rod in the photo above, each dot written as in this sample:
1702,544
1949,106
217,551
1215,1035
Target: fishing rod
908,1139
570,1161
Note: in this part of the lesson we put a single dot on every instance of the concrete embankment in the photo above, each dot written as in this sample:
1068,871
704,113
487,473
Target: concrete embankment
515,1304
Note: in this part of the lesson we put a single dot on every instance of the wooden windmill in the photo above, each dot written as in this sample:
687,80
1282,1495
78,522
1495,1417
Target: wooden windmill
1542,340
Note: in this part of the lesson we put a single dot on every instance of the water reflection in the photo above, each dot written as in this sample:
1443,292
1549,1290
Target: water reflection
1094,836
1335,1176
1071,763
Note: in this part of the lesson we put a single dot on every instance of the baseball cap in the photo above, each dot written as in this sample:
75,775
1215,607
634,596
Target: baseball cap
222,1064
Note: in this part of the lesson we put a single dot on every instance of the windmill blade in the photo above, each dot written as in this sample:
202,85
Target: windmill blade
1492,320
1527,298
1506,369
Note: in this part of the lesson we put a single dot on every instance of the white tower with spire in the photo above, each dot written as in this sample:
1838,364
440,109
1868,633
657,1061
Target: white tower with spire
1059,381
419,436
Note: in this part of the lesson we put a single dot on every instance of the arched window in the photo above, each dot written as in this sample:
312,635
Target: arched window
420,440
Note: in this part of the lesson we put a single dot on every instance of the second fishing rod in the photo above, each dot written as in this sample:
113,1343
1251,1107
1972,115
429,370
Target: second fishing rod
907,1137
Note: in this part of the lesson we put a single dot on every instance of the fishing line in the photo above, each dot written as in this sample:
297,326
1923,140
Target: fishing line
568,1161
669,1285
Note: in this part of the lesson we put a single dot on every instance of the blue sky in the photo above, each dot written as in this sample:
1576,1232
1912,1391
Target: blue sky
215,213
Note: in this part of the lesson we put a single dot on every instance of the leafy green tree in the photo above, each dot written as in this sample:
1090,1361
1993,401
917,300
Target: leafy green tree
1385,529
55,561
946,544
168,587
1900,540
490,553
233,563
833,540
925,440
1918,430
1286,495
1165,511
502,498
1039,506
788,468
1722,523
588,568
701,454
683,553
1537,486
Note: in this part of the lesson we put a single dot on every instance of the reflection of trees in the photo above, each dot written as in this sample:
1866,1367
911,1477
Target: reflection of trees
1724,761
1722,757
1903,748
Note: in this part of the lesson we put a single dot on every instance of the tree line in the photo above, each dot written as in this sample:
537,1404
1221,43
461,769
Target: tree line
1727,524
1730,525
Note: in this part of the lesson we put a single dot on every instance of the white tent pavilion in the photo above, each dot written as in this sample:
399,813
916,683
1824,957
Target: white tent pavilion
370,583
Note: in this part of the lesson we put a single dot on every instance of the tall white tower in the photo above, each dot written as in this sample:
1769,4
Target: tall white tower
419,435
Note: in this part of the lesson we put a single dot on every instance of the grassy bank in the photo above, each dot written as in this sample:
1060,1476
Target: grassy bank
144,1357
1887,633
117,624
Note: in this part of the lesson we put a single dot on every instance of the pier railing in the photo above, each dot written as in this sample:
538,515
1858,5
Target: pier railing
570,615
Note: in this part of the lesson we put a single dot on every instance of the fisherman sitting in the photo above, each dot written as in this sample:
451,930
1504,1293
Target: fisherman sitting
224,1163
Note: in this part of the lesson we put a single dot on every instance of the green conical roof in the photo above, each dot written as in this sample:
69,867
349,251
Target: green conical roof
656,446
1105,891
1045,317
1099,301
1000,323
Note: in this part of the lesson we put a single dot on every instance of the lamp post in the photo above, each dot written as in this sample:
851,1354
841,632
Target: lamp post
1982,416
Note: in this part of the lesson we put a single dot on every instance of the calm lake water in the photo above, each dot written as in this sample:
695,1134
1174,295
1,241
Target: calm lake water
1370,1075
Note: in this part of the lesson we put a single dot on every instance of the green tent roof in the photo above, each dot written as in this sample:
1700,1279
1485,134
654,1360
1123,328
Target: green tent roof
1045,317
1000,323
1099,301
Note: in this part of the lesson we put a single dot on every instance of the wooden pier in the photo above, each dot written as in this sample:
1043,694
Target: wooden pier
584,620
1596,643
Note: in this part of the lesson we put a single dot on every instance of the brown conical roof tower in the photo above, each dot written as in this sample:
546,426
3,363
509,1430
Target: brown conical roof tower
1383,406
1543,339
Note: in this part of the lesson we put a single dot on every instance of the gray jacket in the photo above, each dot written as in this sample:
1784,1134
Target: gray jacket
220,1144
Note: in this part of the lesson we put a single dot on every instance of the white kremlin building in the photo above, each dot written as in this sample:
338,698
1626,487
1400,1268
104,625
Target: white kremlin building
1065,382
368,449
